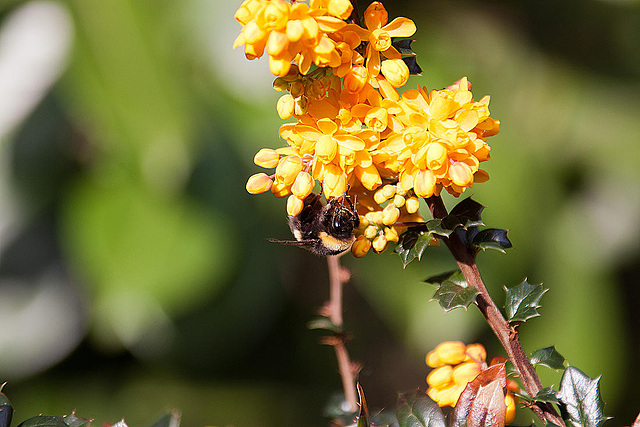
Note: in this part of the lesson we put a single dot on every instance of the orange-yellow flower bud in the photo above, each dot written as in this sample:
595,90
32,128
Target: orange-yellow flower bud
424,183
360,247
340,8
476,352
466,372
413,204
391,234
461,174
280,189
285,106
432,359
390,215
370,232
432,392
355,79
451,352
510,401
440,377
450,395
399,201
303,185
379,243
259,183
326,148
266,158
395,71
288,169
294,205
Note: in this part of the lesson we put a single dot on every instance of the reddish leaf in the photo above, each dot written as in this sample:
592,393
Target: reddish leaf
488,408
496,373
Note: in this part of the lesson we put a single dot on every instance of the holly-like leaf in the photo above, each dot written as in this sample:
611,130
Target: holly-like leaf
548,357
418,410
488,408
522,301
579,399
492,238
6,410
493,374
455,292
412,244
403,45
74,421
468,211
546,395
412,65
439,278
44,421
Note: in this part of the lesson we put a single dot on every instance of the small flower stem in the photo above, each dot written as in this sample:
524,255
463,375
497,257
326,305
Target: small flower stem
345,367
507,335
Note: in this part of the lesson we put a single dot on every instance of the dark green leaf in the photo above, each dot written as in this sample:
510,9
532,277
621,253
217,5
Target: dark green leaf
418,410
455,292
44,421
6,413
412,244
468,211
412,65
403,45
171,419
579,399
492,238
522,301
73,421
547,395
439,278
548,357
437,227
324,323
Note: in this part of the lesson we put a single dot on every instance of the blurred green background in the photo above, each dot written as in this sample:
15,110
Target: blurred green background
135,275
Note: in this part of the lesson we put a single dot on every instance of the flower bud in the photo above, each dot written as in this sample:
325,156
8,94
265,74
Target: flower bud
476,352
424,183
450,395
398,201
451,352
288,169
432,359
355,79
280,84
360,247
390,215
280,189
395,71
510,401
391,234
440,377
266,158
371,232
285,106
259,183
379,244
294,205
413,204
303,185
340,9
466,372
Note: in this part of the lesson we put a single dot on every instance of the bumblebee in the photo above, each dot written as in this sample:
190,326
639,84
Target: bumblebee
324,229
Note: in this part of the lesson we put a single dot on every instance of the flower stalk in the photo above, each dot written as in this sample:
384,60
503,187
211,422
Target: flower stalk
506,334
337,279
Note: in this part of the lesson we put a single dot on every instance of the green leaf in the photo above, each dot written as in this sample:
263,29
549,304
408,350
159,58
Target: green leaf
44,421
441,227
73,421
455,292
492,238
322,322
6,411
468,211
418,410
412,244
171,419
547,395
439,278
548,357
580,400
522,301
403,45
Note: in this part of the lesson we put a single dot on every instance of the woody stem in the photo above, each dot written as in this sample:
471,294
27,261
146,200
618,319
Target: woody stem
345,367
506,334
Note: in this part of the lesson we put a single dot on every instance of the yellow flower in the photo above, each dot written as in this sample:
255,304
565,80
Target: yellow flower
378,35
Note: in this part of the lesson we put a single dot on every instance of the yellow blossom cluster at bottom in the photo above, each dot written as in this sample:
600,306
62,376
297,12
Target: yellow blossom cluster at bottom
455,365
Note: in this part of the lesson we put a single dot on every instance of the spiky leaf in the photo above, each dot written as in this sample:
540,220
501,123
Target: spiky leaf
548,357
403,45
44,421
522,301
579,398
439,278
6,410
492,238
455,292
412,244
418,410
412,65
494,374
547,395
73,421
468,211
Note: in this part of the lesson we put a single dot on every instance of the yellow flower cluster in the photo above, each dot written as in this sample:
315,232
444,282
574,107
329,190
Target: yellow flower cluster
354,131
455,365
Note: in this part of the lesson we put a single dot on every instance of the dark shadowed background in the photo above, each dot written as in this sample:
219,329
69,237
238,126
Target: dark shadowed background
135,274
